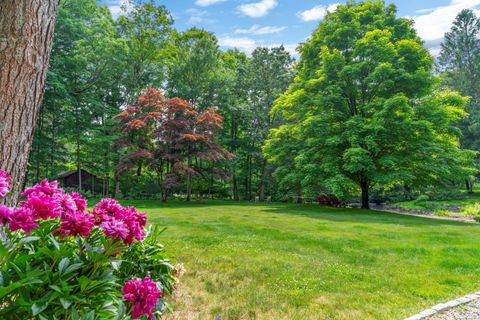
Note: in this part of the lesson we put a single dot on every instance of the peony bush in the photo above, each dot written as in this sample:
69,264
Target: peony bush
60,261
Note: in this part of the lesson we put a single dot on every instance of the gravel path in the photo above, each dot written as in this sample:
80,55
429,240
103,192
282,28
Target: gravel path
469,311
419,213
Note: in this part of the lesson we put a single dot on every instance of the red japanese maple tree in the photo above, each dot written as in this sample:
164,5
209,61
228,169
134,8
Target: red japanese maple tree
138,121
175,133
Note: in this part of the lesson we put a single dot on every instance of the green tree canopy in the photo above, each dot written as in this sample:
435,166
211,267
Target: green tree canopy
362,110
195,69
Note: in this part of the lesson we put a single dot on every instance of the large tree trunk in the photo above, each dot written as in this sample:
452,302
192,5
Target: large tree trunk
26,34
365,197
139,169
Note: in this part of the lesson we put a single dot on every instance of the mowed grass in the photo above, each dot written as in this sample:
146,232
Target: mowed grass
282,261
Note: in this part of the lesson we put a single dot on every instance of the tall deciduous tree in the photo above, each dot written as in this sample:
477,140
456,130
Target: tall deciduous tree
459,63
195,68
236,112
362,109
145,30
253,84
270,74
26,33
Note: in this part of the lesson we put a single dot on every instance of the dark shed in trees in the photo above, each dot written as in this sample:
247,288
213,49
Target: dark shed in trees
70,179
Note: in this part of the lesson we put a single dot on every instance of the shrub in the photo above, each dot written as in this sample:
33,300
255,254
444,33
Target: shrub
472,210
58,261
421,199
442,213
329,200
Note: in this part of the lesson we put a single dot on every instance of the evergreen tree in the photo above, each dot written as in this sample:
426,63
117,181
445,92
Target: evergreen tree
459,63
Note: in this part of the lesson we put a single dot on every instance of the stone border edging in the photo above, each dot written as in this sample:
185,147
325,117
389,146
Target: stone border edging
445,306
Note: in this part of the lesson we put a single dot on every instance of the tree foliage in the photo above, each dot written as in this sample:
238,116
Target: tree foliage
363,109
459,64
364,86
177,135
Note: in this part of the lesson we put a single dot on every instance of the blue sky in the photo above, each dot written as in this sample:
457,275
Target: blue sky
246,24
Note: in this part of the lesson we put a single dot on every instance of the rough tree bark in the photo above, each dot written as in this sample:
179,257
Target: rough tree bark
26,34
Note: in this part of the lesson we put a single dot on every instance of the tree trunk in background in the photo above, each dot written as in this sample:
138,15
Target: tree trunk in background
469,185
117,186
26,34
233,148
234,186
189,180
262,180
365,197
248,180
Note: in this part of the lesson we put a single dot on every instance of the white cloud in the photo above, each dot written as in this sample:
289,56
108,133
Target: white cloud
317,13
198,16
247,45
120,7
437,21
424,10
206,3
258,9
258,30
242,43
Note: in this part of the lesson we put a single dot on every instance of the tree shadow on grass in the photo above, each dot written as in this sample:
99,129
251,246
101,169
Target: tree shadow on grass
363,216
307,210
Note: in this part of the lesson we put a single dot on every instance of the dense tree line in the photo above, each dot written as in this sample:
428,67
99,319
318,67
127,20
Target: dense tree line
99,66
363,110
459,66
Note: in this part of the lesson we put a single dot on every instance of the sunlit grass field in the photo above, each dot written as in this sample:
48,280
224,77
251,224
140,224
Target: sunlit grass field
282,261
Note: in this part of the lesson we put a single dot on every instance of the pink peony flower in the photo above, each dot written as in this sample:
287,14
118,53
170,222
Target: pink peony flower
76,223
43,206
135,222
79,201
119,222
105,208
4,213
66,202
115,228
4,183
47,201
44,187
22,218
143,294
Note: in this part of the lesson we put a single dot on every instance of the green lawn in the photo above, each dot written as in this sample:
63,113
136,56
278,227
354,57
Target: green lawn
280,261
